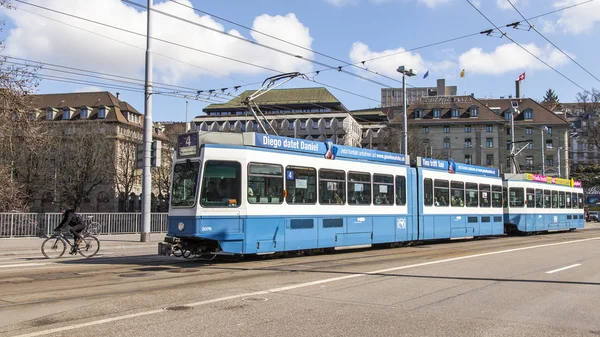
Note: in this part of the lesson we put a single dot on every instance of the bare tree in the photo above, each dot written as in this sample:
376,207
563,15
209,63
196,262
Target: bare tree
126,175
84,160
161,176
21,138
590,103
418,143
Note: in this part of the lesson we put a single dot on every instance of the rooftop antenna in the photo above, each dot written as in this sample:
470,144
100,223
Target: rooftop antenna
269,84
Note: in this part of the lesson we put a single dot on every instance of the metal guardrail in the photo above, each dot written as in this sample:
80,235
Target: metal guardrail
41,224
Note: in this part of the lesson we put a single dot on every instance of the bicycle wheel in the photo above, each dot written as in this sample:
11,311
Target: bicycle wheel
53,247
89,247
94,228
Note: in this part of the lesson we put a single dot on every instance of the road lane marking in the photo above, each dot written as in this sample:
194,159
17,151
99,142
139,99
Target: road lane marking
296,286
22,265
563,268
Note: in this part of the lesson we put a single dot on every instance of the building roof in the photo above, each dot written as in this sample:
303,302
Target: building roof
464,104
541,115
118,111
374,115
281,97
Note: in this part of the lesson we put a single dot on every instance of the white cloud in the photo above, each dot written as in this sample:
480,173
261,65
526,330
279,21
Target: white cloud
388,65
580,19
90,88
342,3
548,26
504,5
510,57
433,3
43,40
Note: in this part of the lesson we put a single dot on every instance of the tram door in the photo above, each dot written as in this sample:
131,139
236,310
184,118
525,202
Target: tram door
530,216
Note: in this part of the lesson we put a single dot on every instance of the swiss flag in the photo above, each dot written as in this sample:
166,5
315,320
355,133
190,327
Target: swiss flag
522,76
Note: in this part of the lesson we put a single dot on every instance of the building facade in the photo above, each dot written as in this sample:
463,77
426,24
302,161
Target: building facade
393,96
86,123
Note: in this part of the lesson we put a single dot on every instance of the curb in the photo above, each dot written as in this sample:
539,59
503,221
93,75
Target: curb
117,247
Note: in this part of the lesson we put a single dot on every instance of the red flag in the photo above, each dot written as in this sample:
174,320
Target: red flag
522,76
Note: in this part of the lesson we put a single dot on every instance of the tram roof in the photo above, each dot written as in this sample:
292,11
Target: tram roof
538,178
188,145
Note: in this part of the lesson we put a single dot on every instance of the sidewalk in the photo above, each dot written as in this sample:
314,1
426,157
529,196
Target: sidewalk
22,246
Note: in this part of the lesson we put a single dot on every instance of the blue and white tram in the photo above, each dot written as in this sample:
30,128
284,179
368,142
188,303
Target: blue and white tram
252,193
465,204
537,203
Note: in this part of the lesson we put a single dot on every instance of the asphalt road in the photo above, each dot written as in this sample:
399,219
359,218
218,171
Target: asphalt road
544,285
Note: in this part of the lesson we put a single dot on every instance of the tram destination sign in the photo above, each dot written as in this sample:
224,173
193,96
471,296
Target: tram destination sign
454,167
187,145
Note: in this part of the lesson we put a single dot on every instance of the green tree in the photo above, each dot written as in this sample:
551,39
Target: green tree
550,100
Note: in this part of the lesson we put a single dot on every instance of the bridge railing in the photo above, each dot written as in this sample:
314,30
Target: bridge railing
40,224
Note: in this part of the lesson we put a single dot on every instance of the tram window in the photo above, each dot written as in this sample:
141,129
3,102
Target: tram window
516,197
484,195
332,187
441,195
472,194
185,183
561,199
574,198
265,183
383,189
400,190
547,203
497,196
457,190
530,197
504,197
301,185
359,188
427,192
580,199
568,200
221,184
539,198
554,199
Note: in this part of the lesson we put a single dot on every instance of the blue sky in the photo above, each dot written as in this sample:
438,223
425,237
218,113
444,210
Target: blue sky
349,30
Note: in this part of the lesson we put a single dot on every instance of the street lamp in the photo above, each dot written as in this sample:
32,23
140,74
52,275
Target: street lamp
544,129
405,72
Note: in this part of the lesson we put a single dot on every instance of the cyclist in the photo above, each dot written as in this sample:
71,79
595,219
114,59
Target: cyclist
72,219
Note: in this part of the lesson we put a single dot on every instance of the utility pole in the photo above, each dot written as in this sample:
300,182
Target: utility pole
405,72
186,117
147,172
544,128
513,160
558,158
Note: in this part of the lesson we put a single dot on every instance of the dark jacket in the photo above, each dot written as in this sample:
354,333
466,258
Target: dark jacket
69,219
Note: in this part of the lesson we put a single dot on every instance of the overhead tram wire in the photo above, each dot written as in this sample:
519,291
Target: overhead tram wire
552,43
338,68
180,45
525,49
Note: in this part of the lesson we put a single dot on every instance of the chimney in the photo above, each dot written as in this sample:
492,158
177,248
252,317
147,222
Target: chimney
441,87
518,89
118,93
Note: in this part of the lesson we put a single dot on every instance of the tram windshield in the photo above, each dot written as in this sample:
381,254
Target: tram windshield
185,183
221,184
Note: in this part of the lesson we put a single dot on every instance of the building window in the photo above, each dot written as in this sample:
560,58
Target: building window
50,115
489,128
489,159
468,143
315,125
529,131
528,114
529,146
549,161
508,163
508,131
66,114
474,112
446,129
447,143
243,126
467,129
328,124
425,129
468,159
303,125
549,130
455,113
102,113
507,115
529,163
436,113
291,125
549,143
489,142
419,113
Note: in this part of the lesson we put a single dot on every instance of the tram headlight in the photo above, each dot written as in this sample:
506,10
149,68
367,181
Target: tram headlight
180,226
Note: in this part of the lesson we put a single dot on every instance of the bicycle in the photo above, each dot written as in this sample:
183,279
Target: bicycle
57,243
93,227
